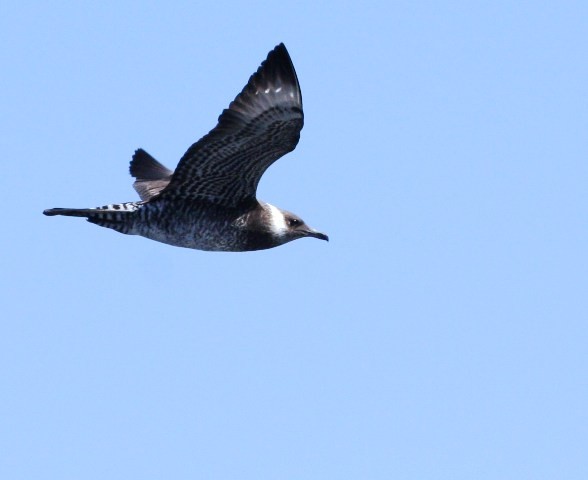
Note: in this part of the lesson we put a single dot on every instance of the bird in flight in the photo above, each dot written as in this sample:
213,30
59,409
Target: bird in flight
209,202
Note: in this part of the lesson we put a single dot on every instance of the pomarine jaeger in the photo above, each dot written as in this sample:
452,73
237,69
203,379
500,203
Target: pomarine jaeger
209,202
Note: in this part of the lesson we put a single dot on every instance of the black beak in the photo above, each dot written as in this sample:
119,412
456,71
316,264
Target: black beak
313,233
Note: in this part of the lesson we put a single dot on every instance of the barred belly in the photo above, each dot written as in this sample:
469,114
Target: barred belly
210,229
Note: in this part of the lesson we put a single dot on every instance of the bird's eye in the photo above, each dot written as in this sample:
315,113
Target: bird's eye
294,222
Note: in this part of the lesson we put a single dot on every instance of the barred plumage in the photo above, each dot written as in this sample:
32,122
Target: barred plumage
209,202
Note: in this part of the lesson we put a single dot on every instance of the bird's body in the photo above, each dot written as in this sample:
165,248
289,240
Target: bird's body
205,226
197,225
209,202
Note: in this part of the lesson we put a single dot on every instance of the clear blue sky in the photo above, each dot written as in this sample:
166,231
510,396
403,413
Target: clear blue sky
441,334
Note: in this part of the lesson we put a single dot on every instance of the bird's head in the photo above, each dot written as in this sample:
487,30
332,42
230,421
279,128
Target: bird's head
285,226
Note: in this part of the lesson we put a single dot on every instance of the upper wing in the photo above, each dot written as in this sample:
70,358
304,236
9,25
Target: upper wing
151,176
261,124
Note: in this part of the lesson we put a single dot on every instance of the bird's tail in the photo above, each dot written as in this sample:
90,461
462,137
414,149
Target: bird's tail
115,216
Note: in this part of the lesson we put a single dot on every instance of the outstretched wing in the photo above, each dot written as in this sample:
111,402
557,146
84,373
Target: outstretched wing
261,124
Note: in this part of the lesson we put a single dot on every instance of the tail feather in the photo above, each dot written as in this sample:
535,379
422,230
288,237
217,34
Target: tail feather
127,207
115,216
70,212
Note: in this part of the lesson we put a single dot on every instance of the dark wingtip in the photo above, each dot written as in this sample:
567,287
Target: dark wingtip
143,166
280,47
132,164
277,67
50,212
280,60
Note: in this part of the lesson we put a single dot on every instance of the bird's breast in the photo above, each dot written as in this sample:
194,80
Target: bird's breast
195,225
